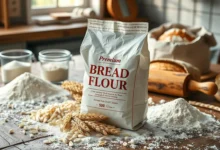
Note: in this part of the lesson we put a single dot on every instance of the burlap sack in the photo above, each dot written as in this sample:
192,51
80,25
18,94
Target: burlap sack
196,52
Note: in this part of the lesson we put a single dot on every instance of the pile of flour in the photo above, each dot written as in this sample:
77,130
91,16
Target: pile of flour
176,115
29,87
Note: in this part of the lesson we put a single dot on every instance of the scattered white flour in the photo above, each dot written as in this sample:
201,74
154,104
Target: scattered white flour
13,69
150,136
167,123
212,148
29,87
55,71
150,101
162,101
177,114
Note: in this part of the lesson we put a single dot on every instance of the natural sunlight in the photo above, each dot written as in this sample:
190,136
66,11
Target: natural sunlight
55,3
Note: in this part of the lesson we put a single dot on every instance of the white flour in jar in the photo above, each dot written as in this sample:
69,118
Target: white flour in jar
13,69
55,71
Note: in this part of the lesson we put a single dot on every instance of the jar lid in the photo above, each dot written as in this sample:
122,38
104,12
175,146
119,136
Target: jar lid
15,53
55,55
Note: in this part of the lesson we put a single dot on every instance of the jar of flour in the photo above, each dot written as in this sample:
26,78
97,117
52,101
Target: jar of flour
55,64
14,63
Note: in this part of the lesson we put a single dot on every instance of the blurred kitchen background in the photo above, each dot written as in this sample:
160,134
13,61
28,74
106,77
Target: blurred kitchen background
188,12
27,24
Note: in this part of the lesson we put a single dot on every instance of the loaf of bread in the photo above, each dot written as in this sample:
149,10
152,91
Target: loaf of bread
175,66
166,66
177,35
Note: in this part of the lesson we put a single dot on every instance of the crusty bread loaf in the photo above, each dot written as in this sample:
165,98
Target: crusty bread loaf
166,66
175,66
177,35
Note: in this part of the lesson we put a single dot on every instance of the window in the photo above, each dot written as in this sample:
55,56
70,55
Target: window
38,10
44,7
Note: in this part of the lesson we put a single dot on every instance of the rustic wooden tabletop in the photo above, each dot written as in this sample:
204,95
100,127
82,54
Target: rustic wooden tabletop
19,141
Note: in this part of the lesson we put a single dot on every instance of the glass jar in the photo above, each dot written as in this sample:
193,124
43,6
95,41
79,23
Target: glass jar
55,64
14,63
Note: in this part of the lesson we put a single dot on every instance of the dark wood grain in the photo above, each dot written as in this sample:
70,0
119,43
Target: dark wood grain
3,141
35,145
7,140
12,148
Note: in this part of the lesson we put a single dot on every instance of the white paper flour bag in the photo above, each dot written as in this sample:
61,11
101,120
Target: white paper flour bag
116,59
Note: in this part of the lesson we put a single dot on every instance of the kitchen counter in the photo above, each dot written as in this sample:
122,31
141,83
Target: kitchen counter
28,33
20,141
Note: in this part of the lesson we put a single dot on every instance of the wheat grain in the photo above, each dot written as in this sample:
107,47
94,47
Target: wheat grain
80,123
77,140
96,127
55,111
212,107
47,142
91,117
71,144
108,128
11,131
66,116
72,86
66,120
77,97
102,143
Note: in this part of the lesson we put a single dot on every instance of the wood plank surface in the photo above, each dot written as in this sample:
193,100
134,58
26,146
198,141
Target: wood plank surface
7,139
35,32
19,141
12,148
5,13
3,142
35,145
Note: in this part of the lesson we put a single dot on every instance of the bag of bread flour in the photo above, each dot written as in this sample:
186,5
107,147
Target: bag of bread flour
116,62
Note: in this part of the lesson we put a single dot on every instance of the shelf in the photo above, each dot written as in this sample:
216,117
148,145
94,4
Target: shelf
35,32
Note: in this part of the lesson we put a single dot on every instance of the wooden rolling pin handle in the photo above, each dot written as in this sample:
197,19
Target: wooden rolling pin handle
209,88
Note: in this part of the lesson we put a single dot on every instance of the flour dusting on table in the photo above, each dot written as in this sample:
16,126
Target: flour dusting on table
165,125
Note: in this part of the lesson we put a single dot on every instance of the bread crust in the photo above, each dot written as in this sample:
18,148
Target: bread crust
166,66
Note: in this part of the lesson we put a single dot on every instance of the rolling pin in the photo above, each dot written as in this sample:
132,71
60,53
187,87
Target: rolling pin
177,84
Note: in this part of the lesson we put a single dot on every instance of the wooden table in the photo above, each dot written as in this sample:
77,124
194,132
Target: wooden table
18,142
28,33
